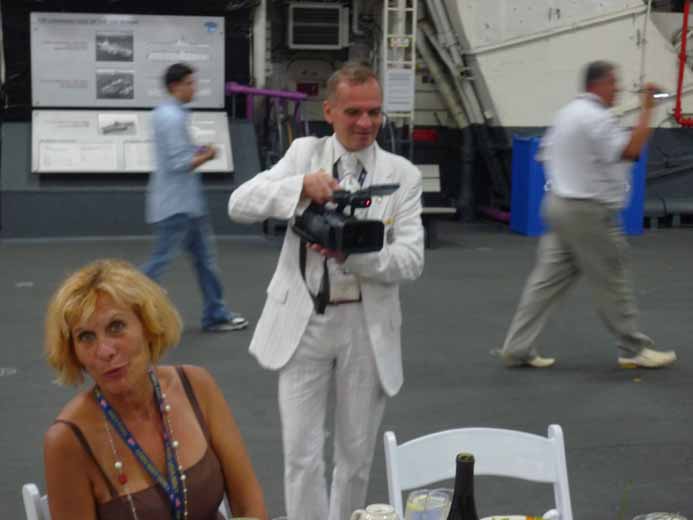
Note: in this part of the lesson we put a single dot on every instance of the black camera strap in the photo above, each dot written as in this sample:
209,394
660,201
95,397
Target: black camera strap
321,299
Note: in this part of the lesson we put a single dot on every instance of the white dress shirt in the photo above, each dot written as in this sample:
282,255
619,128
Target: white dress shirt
582,153
365,157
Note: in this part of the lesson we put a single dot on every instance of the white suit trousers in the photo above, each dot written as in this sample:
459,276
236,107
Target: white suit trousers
334,344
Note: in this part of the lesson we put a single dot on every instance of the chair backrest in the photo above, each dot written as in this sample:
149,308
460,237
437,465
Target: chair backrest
430,177
506,453
36,505
225,508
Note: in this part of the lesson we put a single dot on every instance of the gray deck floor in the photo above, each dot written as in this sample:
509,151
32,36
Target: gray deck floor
629,448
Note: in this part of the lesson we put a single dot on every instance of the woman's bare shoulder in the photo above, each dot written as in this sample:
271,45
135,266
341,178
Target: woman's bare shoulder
59,435
200,379
198,374
78,409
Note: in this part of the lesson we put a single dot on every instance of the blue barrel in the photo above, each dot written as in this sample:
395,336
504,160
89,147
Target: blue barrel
529,185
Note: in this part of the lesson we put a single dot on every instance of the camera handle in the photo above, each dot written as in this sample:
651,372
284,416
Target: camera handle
357,199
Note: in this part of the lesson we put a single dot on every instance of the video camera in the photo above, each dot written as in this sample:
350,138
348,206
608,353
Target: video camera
332,229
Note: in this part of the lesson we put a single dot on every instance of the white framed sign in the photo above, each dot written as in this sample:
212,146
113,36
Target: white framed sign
399,90
117,61
109,141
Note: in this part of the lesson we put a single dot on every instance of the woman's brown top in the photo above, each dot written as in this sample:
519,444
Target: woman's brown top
205,481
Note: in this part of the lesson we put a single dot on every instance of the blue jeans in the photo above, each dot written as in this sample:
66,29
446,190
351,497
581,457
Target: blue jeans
194,234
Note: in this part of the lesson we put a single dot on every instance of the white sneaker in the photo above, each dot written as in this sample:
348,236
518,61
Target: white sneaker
238,322
648,358
541,362
534,362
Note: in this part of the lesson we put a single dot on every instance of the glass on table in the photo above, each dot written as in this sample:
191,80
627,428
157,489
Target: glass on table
375,512
428,504
516,517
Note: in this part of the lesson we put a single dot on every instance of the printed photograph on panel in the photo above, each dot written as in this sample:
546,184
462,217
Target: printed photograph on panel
115,47
118,124
115,84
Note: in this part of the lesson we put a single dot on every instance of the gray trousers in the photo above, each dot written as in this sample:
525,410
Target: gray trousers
585,238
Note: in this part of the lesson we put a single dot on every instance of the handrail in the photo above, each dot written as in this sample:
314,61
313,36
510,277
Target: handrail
678,116
236,88
233,88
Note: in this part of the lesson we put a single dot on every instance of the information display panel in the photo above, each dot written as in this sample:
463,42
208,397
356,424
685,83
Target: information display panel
117,61
100,141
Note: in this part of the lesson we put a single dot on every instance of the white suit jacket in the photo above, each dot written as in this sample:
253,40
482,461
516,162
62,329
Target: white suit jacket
276,193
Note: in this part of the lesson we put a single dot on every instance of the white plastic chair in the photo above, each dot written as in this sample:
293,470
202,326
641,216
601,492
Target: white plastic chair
36,505
506,453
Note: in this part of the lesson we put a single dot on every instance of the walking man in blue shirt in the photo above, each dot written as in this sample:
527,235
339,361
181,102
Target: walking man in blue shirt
175,202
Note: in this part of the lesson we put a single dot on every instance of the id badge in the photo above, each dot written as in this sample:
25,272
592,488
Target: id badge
390,234
345,289
389,230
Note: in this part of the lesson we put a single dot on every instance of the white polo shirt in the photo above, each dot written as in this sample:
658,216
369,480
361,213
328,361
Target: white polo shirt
582,153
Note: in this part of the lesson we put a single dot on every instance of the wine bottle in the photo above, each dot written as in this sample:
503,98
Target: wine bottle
463,506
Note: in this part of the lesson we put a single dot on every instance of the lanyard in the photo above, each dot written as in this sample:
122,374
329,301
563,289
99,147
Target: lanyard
172,485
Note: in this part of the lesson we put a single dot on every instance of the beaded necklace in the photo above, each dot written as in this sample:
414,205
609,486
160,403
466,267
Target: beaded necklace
173,484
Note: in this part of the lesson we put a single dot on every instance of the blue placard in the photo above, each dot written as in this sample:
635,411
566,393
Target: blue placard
529,185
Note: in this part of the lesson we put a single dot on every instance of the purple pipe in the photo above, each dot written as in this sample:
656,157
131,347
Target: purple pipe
233,88
236,88
496,214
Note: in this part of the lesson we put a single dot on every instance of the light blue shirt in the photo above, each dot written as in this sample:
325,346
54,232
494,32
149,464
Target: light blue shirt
173,187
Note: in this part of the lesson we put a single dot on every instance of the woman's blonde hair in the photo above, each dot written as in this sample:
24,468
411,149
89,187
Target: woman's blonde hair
75,301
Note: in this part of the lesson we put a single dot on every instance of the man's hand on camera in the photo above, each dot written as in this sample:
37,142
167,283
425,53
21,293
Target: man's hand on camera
328,253
318,186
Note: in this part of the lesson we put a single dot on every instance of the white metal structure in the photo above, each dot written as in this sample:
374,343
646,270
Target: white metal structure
36,505
260,67
529,54
398,62
506,453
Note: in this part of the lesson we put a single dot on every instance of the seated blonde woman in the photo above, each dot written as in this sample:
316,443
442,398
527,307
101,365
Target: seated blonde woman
145,441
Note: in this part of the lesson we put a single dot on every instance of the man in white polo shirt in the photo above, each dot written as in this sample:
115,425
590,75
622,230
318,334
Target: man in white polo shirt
587,158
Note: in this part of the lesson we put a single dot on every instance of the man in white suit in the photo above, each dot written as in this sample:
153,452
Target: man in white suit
356,338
